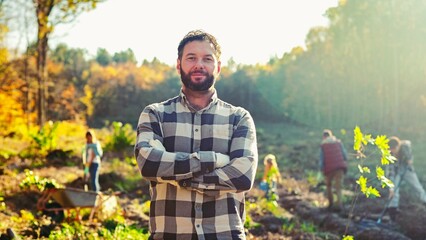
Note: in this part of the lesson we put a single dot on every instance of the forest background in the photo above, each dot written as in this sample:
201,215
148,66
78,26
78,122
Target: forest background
367,68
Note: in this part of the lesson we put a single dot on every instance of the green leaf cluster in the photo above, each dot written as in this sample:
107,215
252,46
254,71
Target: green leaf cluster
2,204
122,137
41,184
380,142
46,138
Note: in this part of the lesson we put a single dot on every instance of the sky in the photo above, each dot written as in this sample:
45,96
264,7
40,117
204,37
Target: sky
249,31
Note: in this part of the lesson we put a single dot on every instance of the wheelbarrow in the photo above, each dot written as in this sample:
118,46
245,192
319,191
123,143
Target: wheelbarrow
55,201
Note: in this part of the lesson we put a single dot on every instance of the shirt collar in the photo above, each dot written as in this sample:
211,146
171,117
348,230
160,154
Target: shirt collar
184,100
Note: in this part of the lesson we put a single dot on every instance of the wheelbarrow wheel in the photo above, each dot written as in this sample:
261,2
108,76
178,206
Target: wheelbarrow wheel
56,215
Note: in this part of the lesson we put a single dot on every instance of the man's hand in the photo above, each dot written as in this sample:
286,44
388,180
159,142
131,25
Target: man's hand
221,160
156,144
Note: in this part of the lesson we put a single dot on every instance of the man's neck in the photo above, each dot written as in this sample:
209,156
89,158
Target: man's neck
199,99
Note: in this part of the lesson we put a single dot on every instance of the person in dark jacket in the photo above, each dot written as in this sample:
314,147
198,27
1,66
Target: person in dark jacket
333,165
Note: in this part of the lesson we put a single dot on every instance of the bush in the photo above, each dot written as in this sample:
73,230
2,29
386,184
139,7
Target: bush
122,137
41,184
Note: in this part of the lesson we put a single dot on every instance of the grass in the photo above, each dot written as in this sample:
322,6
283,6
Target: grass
296,148
281,139
293,146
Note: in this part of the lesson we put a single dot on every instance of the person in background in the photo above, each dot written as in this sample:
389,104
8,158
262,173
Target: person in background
92,154
198,152
333,165
402,170
271,177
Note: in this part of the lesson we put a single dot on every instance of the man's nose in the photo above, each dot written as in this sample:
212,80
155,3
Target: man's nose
199,64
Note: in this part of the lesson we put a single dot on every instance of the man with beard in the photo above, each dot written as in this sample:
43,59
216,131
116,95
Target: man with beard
198,152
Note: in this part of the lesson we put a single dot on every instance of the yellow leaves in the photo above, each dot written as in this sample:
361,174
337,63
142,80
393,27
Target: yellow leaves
12,114
357,139
111,72
87,100
127,74
360,139
151,76
367,190
75,7
146,206
102,77
68,92
67,98
380,172
85,74
27,216
372,191
55,68
383,179
381,143
363,169
362,182
2,204
4,55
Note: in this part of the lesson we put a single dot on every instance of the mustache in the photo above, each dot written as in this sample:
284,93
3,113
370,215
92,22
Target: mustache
198,71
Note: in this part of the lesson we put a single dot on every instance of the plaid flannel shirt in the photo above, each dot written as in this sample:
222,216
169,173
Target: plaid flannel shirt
190,197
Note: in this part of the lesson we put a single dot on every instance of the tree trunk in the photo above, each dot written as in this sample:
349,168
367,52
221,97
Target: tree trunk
41,79
43,10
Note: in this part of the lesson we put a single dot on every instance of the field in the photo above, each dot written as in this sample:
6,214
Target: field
298,214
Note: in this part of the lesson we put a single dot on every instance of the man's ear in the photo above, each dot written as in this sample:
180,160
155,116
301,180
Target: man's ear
178,65
219,66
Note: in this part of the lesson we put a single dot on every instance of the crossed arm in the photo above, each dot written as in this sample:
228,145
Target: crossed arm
208,172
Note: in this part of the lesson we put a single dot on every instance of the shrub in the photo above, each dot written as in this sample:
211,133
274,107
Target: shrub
41,184
122,137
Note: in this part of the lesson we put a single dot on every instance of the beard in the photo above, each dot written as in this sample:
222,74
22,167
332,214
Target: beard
204,85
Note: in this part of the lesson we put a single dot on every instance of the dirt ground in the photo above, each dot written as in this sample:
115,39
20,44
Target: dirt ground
302,203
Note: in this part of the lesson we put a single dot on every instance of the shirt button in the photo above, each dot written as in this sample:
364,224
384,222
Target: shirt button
196,130
198,225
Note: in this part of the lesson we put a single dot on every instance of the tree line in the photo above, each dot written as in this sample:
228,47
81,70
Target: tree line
366,68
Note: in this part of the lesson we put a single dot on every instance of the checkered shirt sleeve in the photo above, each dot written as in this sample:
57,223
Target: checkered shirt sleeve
191,197
191,141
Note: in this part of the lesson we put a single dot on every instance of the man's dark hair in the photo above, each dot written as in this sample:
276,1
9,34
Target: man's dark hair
394,142
199,35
